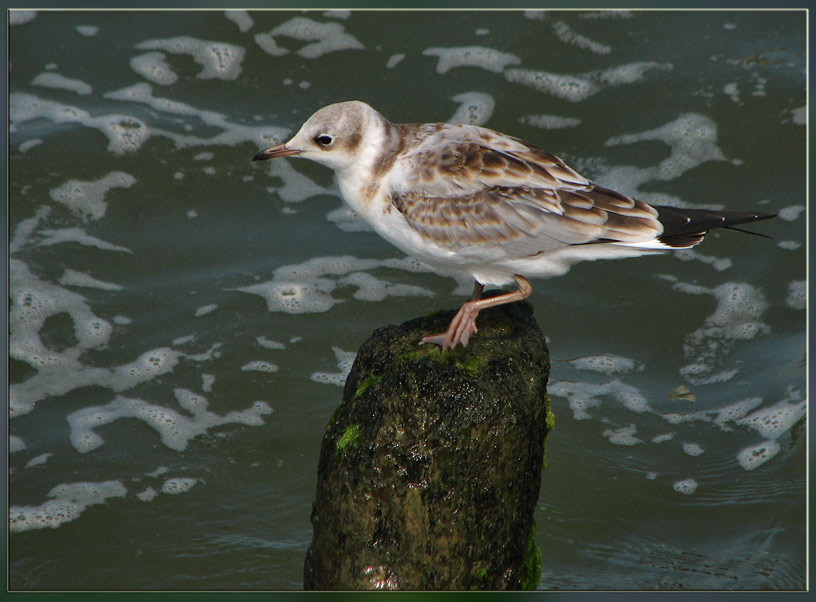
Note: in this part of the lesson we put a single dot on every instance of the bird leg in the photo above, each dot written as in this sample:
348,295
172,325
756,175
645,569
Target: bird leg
464,322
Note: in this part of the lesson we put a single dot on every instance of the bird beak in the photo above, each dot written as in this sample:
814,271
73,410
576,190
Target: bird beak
281,150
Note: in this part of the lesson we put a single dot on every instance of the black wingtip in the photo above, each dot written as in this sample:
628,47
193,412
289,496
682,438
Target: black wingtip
760,215
677,220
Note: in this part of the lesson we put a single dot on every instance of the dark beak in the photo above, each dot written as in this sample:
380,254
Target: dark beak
276,151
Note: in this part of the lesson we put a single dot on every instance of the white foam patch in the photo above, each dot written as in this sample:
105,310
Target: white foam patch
29,144
269,343
686,486
74,278
565,33
797,295
80,237
124,132
623,436
799,115
394,60
207,381
735,411
475,108
583,397
791,213
58,372
178,485
681,417
718,263
789,245
345,218
370,288
177,342
775,421
69,501
176,430
759,86
147,495
719,416
345,360
755,456
607,364
337,14
296,187
219,60
259,366
40,460
663,438
268,44
205,309
241,18
732,91
692,139
693,449
87,199
88,31
16,444
550,122
307,287
232,134
60,82
325,38
153,67
471,56
21,17
737,317
576,88
211,353
32,302
24,229
608,15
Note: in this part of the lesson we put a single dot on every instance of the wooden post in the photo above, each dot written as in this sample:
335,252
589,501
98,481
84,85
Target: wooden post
430,469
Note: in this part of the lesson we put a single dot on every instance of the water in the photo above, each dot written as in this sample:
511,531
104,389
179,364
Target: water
181,319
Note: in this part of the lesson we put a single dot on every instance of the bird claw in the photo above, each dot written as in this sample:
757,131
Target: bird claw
461,328
436,339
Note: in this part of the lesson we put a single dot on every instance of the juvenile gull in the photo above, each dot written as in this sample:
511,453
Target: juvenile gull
466,198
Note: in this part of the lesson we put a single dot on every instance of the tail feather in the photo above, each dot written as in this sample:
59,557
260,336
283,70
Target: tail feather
683,228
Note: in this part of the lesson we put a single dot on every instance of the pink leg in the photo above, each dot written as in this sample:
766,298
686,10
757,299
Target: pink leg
464,322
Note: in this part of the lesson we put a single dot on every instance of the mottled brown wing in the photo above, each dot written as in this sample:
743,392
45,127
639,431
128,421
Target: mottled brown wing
519,201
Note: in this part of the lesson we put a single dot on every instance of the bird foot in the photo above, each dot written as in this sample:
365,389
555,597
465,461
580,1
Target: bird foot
461,328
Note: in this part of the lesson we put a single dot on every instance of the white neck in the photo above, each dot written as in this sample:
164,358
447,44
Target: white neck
359,182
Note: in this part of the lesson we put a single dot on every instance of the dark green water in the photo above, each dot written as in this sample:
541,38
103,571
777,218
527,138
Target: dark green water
172,373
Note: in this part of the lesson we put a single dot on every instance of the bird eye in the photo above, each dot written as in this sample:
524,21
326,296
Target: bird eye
324,140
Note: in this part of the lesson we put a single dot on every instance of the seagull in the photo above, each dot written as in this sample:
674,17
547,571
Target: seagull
469,199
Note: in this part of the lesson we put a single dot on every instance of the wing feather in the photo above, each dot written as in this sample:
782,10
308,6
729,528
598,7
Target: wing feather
465,188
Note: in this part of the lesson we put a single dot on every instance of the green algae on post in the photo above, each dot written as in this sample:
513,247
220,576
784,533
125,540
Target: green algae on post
350,437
